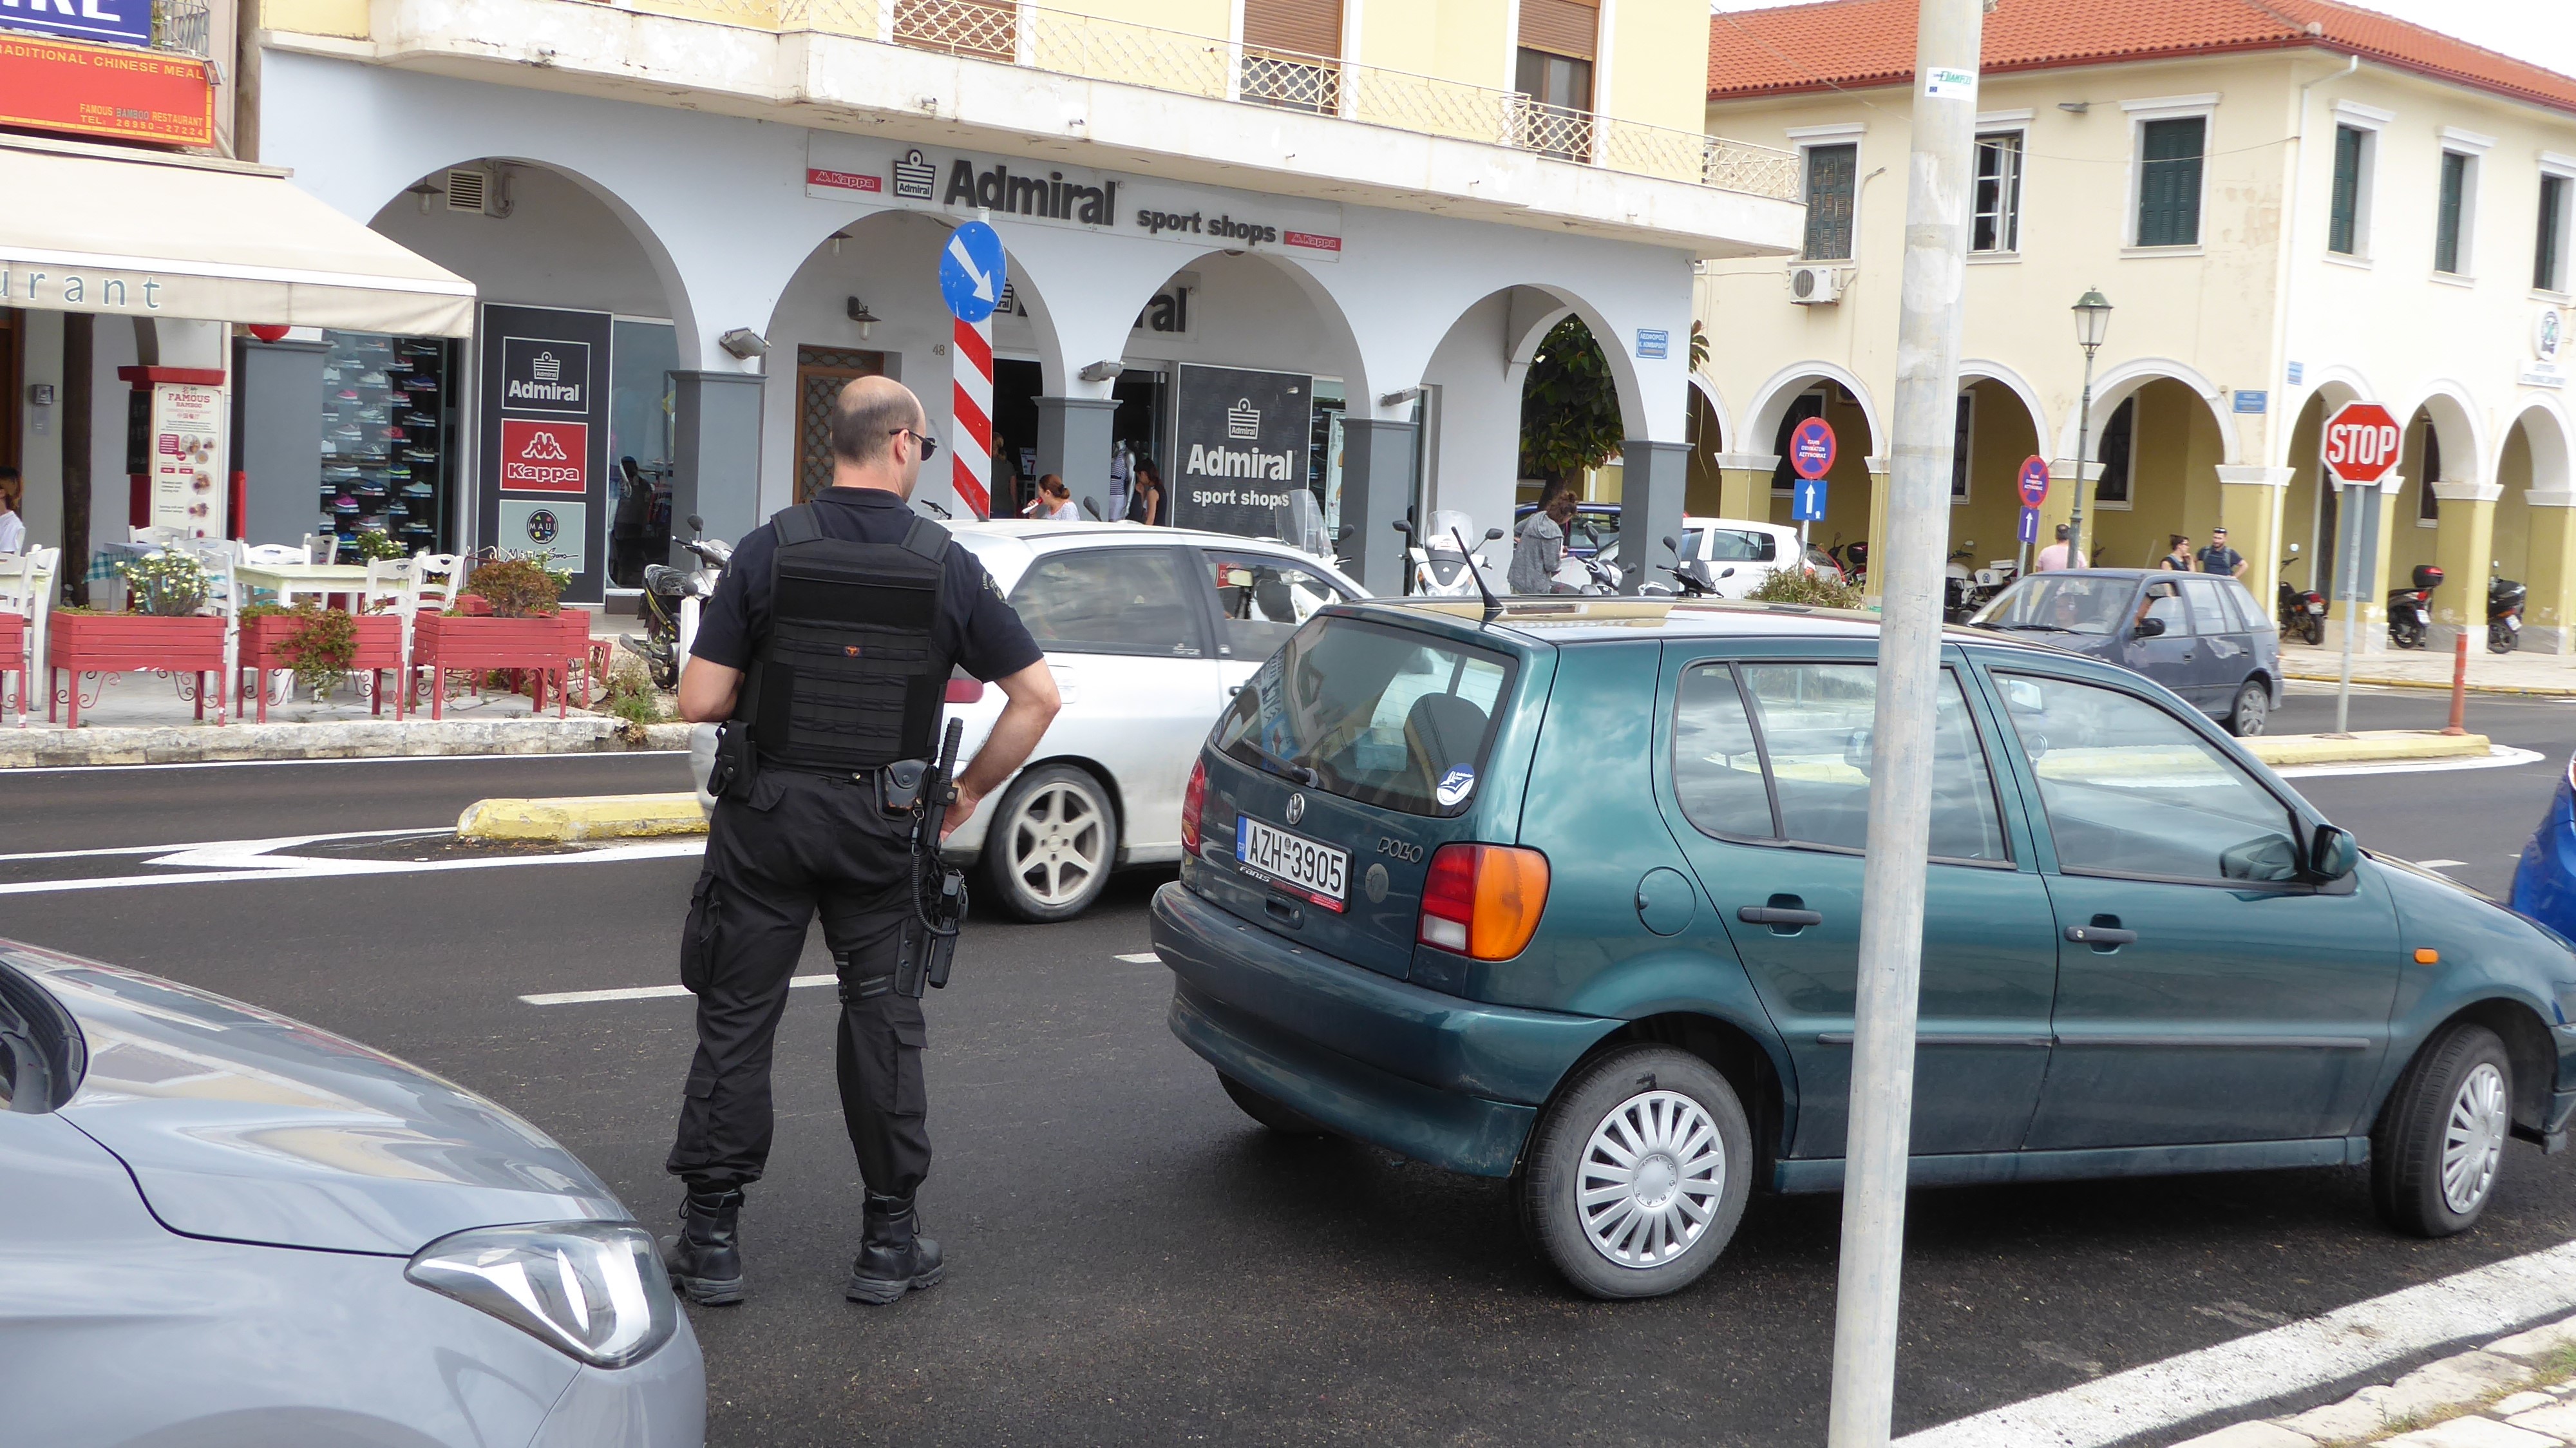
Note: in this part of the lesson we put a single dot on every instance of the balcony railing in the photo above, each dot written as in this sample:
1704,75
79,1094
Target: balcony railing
183,27
1177,61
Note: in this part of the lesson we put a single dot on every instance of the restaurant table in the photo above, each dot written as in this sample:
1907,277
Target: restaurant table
289,579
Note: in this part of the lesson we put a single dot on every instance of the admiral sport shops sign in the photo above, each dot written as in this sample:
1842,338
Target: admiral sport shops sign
928,178
1240,448
544,425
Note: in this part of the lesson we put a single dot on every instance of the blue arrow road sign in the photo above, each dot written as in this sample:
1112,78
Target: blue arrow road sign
2029,526
972,272
1807,501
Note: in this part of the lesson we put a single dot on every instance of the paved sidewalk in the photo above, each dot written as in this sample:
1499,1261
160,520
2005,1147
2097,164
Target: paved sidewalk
2515,673
2512,1393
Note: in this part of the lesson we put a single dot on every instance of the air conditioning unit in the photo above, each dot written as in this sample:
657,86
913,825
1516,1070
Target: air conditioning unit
1815,286
475,190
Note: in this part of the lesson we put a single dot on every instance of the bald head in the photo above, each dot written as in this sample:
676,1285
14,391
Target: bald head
875,442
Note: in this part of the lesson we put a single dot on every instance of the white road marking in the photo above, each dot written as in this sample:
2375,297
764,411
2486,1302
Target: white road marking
2339,1346
2498,756
203,844
1146,957
641,992
232,861
354,759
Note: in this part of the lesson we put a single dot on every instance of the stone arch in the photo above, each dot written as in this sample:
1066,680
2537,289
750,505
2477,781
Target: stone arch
1851,509
1705,388
1772,399
2532,536
2117,385
2180,434
2007,424
2308,508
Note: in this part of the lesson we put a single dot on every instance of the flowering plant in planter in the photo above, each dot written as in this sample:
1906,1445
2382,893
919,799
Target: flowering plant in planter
377,543
167,584
517,587
319,644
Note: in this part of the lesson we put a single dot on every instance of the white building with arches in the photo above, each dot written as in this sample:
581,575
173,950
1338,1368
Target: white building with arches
2289,205
720,209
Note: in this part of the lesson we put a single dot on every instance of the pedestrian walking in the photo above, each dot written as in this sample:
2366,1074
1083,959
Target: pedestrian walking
2054,556
1145,501
2219,558
827,650
2178,557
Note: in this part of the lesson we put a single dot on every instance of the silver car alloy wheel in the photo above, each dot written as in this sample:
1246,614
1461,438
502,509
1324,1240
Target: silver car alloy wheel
1057,843
2480,1118
1652,1176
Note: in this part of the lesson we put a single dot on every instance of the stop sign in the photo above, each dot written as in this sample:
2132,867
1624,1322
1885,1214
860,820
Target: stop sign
2361,442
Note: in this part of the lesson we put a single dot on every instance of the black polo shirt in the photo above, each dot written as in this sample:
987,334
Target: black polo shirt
976,630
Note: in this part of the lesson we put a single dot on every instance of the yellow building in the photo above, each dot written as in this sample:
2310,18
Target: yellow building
2289,204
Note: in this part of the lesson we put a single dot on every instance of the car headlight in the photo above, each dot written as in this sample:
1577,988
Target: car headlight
594,1290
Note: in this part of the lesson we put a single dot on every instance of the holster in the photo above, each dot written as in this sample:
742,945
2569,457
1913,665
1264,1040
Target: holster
927,947
737,763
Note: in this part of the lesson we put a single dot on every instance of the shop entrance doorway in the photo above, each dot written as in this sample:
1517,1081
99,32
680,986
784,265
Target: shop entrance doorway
821,373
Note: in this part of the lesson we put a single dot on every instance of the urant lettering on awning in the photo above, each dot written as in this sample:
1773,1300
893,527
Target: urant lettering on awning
104,230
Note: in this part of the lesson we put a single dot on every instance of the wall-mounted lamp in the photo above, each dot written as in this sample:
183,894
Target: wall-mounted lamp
744,343
860,314
2075,108
837,238
424,191
1404,397
1103,371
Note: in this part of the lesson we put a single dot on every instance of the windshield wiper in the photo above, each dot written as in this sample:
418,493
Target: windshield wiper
1302,773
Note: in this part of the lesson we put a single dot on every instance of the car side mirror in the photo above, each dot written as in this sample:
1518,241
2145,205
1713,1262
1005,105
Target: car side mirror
2332,853
2150,627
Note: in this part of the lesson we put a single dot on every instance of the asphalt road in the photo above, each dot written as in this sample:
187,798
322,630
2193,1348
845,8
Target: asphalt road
1136,1262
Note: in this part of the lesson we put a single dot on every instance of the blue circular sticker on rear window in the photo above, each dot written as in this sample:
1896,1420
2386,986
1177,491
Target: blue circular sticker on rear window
1456,785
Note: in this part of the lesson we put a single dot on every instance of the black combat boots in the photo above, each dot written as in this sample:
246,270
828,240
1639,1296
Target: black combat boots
893,1257
705,1260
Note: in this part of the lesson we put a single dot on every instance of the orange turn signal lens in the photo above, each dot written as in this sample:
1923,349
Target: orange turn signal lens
2428,957
1483,901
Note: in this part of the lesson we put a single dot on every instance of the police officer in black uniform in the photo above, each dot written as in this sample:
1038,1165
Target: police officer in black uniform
828,646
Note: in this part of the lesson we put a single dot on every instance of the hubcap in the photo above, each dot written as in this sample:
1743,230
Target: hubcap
1651,1179
1058,844
2480,1118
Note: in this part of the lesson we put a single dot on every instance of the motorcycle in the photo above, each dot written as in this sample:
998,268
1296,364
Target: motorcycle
1691,577
2302,614
1442,565
2410,610
2504,614
673,598
1990,581
1585,572
1956,585
1853,559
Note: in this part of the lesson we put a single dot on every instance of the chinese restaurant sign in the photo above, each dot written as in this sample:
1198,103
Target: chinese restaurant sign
92,90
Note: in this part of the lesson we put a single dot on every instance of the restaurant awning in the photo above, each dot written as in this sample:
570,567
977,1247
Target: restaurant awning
117,232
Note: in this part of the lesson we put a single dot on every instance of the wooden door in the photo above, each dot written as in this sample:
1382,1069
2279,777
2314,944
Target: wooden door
821,372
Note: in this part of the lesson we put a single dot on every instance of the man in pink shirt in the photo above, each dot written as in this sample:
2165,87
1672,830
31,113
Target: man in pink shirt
2053,557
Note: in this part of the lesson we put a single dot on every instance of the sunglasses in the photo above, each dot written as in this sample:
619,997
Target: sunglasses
929,444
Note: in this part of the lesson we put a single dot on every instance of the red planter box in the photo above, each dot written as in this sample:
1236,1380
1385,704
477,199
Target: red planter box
543,646
112,643
379,651
14,661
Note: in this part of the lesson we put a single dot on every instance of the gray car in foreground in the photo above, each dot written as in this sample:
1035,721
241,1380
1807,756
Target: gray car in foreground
221,1227
2199,634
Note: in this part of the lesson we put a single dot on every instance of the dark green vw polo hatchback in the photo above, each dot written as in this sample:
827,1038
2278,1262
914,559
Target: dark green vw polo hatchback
1573,897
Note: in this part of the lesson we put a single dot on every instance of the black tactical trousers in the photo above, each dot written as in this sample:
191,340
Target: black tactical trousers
801,843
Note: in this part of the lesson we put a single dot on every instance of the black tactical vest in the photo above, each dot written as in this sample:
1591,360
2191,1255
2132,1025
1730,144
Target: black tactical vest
846,679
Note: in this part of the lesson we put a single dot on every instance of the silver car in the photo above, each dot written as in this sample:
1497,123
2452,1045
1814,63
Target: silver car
220,1226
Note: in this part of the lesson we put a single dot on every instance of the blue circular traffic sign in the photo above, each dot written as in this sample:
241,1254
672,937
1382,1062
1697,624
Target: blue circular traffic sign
1811,448
972,271
2034,481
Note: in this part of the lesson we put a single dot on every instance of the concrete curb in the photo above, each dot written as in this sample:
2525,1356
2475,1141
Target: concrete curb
2391,681
357,739
2366,745
592,817
2504,1379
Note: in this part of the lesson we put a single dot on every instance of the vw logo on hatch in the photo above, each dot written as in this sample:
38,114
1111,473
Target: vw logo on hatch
1296,808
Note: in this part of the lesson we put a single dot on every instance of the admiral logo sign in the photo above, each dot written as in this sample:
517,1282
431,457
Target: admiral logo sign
541,375
544,457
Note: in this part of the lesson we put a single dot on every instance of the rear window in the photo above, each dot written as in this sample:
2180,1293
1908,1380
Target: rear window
1382,715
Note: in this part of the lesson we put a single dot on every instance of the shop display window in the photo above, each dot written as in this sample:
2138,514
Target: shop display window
388,423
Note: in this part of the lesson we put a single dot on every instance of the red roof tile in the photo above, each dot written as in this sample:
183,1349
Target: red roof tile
1858,43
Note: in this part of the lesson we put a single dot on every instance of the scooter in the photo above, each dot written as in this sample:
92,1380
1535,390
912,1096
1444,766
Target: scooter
1956,585
1691,577
1854,561
1442,565
2504,614
1991,581
1585,572
2302,613
673,598
2410,610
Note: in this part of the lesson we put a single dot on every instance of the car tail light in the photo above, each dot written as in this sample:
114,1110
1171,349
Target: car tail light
1193,800
1483,901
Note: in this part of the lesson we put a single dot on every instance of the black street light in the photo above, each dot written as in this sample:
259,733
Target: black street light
2092,324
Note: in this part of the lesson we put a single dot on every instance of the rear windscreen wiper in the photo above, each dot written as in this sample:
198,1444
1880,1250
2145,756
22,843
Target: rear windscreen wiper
1302,773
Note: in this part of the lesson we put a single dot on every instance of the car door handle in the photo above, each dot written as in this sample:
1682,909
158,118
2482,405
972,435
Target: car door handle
2101,937
1775,915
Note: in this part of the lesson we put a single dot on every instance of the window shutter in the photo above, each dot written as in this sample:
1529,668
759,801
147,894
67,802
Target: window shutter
2342,220
1830,170
2553,210
1563,27
2446,237
2169,182
1301,27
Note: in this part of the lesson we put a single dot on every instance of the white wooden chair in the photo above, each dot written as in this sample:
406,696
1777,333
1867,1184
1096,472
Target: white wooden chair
320,547
26,589
439,575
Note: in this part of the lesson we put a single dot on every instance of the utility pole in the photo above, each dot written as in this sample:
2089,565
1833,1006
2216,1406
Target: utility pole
1900,764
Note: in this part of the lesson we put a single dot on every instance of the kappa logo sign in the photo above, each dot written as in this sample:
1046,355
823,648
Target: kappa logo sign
545,457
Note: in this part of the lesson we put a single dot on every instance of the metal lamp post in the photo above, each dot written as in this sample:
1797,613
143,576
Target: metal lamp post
2092,324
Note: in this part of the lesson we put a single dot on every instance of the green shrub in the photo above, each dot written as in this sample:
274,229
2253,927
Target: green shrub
321,650
517,587
168,584
377,543
1815,590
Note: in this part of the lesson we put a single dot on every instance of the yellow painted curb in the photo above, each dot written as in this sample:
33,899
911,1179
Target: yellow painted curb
2391,681
2368,744
588,817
